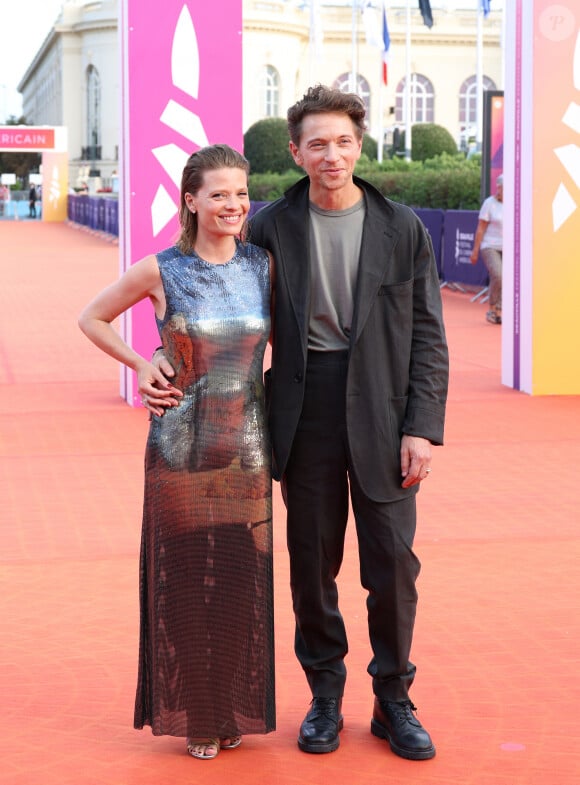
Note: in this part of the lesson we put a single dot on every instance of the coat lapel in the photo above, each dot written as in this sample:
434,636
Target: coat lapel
379,239
292,226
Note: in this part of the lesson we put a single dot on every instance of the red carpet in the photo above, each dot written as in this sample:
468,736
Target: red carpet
498,633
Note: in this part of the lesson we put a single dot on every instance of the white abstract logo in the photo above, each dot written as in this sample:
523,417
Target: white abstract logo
54,188
185,74
564,204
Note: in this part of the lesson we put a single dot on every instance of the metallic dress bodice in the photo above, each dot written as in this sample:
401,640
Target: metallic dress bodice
214,334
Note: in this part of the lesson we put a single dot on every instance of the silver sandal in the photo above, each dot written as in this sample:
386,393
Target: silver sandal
198,748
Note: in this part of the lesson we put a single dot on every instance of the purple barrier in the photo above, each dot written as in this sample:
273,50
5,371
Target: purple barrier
111,216
94,212
254,207
72,209
451,232
101,214
458,232
433,221
85,211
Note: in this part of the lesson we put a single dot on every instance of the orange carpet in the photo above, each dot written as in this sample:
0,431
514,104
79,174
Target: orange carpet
498,633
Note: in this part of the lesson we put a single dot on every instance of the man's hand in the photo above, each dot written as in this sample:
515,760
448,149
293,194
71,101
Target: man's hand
415,460
156,391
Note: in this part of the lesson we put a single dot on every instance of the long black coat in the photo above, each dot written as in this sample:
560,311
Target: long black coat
398,360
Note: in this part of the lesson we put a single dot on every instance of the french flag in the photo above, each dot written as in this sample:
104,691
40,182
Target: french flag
386,45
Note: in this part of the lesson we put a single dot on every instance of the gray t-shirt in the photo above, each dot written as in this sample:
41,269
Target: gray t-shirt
335,239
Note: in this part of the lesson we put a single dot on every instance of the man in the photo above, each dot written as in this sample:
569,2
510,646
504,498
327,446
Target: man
32,197
488,241
356,397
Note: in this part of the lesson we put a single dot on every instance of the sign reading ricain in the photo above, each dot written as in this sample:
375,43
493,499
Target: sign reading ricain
15,137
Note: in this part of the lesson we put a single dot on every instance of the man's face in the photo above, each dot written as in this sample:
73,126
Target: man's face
328,150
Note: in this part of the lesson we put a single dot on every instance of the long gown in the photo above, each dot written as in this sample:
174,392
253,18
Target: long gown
206,658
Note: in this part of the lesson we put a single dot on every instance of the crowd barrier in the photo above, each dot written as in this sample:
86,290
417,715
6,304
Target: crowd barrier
458,232
451,231
96,212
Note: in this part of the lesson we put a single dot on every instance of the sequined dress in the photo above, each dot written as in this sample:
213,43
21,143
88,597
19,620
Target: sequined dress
206,659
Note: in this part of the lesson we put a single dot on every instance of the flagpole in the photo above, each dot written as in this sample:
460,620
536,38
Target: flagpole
479,79
407,94
382,84
381,110
353,84
311,44
503,43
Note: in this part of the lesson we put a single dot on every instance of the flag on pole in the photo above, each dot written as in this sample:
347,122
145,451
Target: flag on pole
370,25
380,41
485,7
425,8
316,31
386,45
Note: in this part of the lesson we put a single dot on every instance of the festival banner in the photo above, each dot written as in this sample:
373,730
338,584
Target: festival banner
23,138
556,198
181,90
541,274
51,142
493,130
54,186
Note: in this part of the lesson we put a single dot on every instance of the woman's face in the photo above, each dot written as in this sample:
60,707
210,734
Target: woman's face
221,204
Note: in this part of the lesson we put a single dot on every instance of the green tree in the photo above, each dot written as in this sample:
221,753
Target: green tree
266,146
429,140
370,147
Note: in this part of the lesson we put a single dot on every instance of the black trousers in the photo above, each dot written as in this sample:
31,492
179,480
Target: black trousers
316,489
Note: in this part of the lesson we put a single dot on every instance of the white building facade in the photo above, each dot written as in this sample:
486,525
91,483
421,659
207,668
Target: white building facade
74,80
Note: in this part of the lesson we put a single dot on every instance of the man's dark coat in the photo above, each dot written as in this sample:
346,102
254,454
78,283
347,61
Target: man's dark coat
398,361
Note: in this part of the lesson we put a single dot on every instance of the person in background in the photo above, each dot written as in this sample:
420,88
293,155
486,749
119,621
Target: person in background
32,197
489,242
206,659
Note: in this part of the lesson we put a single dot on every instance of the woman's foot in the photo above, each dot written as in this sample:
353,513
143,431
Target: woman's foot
230,743
207,749
203,749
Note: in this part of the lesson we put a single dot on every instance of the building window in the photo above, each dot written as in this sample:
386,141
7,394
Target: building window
269,92
362,88
422,100
93,113
468,99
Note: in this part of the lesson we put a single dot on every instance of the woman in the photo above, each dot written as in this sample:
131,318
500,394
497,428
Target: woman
206,667
489,240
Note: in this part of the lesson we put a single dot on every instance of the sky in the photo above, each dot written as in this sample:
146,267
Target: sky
24,24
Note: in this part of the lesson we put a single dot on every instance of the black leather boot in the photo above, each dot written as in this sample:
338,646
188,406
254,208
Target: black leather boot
319,731
396,723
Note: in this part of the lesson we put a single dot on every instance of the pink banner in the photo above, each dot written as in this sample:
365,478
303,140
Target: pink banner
26,138
182,89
